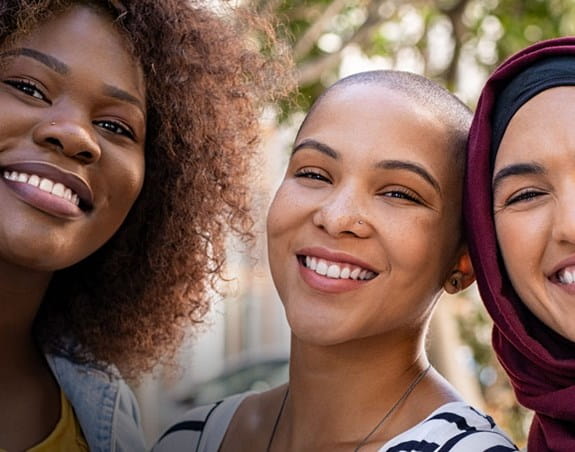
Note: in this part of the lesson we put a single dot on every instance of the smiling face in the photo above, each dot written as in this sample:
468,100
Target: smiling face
72,132
534,187
364,230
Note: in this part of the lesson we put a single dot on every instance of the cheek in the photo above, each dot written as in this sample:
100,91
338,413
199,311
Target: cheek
522,241
126,180
285,212
418,238
428,248
285,220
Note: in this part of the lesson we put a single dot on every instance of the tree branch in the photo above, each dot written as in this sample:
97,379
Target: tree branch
309,72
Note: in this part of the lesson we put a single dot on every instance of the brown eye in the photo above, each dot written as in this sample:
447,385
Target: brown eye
311,174
115,127
524,196
27,87
403,194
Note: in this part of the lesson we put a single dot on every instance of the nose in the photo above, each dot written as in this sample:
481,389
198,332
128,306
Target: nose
71,134
342,214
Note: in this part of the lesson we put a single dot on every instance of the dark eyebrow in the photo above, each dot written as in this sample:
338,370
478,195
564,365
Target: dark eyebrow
517,169
63,69
313,144
120,94
47,60
410,166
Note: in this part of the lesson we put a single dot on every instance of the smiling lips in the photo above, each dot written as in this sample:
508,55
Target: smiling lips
337,270
44,184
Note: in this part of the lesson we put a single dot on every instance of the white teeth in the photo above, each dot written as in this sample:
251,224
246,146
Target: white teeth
321,267
34,180
58,190
311,262
335,271
566,277
46,185
55,188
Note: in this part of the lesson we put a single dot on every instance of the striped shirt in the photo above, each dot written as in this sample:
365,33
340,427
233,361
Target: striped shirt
453,427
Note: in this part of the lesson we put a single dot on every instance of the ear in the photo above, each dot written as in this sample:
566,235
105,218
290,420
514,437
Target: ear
461,276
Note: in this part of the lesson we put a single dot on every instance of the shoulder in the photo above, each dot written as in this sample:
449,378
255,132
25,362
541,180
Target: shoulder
455,427
202,428
103,403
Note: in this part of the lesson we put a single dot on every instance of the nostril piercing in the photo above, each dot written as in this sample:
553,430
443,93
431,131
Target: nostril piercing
53,123
360,222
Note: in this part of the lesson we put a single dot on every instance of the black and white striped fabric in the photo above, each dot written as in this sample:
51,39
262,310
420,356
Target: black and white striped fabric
454,427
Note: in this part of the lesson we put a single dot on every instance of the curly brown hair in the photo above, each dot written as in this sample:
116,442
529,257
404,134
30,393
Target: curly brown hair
208,73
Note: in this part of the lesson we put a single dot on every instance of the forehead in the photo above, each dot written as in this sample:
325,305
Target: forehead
86,38
372,111
374,121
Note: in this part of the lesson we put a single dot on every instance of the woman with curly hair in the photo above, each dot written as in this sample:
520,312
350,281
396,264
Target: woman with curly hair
126,132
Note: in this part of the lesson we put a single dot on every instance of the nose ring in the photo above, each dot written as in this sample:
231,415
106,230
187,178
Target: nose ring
52,123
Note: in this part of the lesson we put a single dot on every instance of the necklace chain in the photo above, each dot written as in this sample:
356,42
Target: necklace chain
404,396
278,417
386,416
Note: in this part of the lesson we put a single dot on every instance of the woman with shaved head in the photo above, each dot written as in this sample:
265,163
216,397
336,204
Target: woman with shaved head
364,234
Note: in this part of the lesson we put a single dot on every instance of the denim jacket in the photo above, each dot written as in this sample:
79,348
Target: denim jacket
104,406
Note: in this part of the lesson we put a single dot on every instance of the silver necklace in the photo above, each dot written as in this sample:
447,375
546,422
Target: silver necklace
363,442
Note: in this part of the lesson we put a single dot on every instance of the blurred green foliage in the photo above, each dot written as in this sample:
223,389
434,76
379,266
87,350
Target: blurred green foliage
444,37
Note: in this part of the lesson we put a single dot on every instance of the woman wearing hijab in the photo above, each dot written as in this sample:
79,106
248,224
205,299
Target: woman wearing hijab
520,220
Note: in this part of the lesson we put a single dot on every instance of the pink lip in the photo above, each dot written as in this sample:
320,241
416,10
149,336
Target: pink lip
56,174
334,256
44,201
328,285
568,262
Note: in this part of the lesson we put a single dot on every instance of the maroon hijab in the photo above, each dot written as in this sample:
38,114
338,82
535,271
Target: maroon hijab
539,362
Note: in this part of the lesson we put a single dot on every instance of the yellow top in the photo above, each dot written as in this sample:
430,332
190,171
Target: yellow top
67,436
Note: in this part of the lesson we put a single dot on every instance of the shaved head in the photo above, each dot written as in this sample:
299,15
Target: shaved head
423,92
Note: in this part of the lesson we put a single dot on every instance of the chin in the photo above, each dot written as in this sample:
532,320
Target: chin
320,334
567,332
40,257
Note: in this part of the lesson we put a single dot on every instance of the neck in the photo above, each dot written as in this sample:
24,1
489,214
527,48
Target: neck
344,390
22,291
354,363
